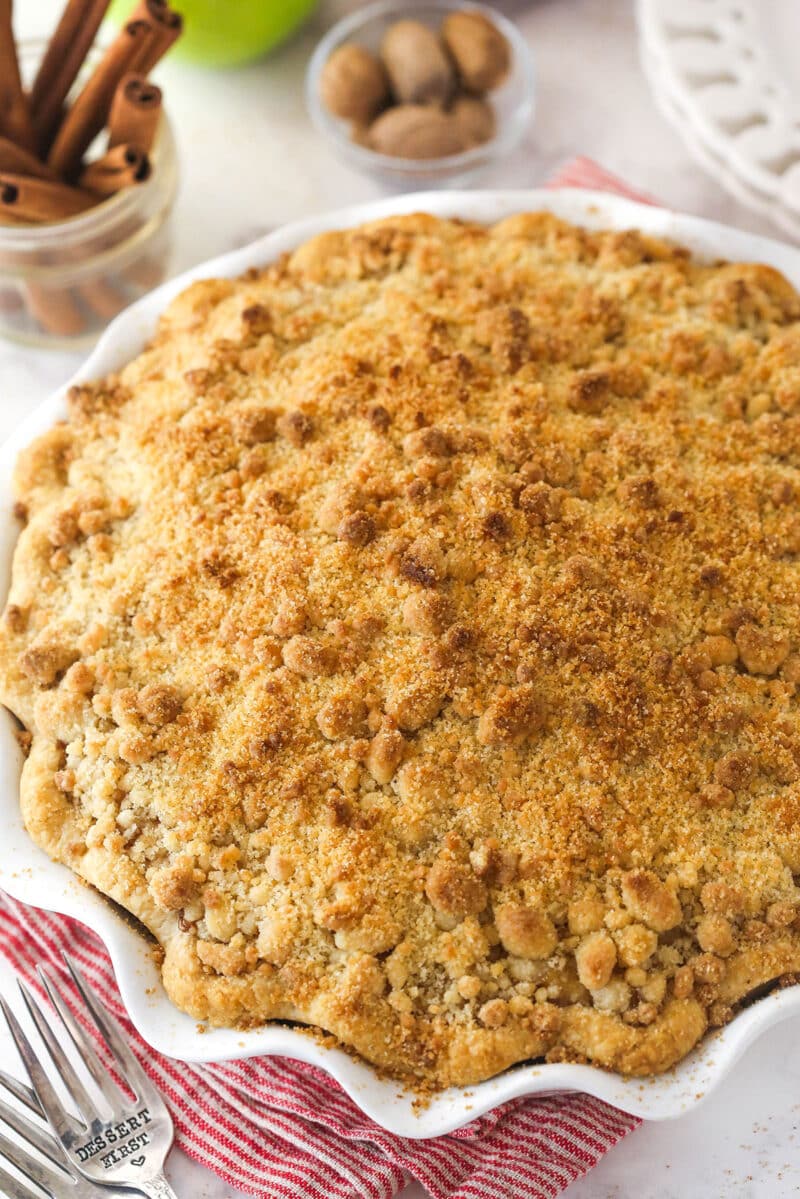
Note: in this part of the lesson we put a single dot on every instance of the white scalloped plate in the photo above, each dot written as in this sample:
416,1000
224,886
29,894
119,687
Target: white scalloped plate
725,73
704,154
27,874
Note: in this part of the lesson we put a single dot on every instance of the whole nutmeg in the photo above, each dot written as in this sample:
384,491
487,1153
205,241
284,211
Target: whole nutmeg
418,68
416,131
475,119
479,50
353,84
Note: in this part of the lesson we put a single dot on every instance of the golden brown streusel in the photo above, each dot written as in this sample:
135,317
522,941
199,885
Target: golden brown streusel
409,637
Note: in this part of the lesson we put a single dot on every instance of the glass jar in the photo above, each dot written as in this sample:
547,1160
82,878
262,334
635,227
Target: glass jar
62,282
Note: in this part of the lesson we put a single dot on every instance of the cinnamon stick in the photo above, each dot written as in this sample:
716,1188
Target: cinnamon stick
166,25
15,117
38,200
120,167
146,272
90,111
135,113
61,63
10,300
56,311
18,161
103,298
7,217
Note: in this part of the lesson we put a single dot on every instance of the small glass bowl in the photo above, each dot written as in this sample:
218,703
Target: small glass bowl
62,282
513,101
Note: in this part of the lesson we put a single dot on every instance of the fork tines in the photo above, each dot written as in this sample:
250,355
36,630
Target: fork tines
127,1066
50,1175
120,1126
130,1070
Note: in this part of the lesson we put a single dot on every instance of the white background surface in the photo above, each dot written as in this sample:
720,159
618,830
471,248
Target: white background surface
250,162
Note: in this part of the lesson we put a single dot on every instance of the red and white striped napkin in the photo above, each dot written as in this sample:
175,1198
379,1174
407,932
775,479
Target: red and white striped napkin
584,172
277,1128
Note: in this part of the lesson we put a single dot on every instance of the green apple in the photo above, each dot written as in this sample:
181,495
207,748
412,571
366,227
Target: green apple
223,33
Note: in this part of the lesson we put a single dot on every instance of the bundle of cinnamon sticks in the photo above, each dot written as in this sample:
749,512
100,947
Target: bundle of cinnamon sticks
45,133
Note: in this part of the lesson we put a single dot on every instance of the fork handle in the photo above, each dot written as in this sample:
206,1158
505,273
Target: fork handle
156,1188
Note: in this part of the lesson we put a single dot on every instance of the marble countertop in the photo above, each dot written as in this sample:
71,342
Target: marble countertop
250,161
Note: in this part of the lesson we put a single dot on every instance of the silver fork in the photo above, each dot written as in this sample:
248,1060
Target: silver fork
127,1147
54,1176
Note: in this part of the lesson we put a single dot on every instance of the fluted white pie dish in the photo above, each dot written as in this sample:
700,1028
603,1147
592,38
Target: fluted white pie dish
28,875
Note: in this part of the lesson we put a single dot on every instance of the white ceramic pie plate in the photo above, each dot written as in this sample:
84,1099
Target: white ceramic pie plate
724,72
27,874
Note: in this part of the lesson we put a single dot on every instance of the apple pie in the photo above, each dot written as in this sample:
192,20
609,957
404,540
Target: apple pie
410,638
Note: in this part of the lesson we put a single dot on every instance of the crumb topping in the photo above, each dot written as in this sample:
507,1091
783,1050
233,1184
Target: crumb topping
409,638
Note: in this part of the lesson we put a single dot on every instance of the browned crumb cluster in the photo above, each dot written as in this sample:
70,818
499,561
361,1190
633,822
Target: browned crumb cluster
410,638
